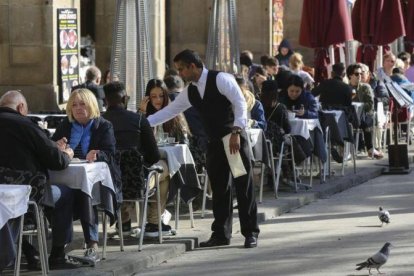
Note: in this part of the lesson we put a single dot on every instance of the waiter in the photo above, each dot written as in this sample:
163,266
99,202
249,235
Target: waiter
222,108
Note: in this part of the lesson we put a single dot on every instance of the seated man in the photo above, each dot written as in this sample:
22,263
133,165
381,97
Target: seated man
132,131
24,146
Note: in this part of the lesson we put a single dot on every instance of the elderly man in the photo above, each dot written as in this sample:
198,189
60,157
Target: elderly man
93,79
24,146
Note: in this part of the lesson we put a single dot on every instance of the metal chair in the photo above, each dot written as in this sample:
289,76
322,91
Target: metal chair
41,239
279,157
205,183
130,161
40,187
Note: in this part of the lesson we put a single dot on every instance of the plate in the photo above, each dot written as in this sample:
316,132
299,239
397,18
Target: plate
78,161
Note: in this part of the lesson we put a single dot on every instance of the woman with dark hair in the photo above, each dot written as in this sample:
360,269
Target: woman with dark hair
258,78
276,114
299,100
156,98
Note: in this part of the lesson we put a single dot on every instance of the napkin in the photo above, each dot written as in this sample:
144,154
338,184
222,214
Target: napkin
235,161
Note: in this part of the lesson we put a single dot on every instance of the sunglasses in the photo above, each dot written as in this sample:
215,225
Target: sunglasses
357,74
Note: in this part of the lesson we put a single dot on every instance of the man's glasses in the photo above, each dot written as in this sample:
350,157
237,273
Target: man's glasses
357,74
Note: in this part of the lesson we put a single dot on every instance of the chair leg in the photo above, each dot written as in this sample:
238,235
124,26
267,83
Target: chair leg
353,154
293,164
143,219
262,170
205,188
177,208
272,167
40,239
44,240
278,168
120,230
19,248
105,234
159,209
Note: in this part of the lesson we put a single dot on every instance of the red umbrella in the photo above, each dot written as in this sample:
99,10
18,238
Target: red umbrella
323,23
408,12
374,23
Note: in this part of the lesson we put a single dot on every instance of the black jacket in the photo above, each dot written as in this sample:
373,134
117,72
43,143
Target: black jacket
333,92
132,130
24,145
102,139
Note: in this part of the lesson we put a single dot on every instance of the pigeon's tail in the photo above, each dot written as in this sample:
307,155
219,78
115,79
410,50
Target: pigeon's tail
361,265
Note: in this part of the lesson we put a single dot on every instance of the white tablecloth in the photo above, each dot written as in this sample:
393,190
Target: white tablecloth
13,201
337,113
302,127
83,176
359,107
182,171
176,155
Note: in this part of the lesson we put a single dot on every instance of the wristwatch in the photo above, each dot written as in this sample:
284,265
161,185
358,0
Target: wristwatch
236,130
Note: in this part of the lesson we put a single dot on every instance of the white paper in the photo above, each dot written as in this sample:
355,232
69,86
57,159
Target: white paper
235,161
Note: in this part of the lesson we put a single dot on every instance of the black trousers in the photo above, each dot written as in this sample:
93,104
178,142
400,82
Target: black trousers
219,172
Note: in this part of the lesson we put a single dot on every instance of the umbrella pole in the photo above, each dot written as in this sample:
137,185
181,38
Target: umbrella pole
331,52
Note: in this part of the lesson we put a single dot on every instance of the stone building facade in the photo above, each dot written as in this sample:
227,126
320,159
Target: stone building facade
28,37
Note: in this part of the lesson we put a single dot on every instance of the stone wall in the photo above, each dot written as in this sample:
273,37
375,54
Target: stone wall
28,49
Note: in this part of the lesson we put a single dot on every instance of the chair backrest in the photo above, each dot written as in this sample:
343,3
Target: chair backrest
133,174
37,181
53,121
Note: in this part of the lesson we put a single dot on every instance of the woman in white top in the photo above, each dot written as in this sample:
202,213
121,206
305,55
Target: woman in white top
296,64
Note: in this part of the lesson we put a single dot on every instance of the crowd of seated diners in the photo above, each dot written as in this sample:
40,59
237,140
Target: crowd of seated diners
276,95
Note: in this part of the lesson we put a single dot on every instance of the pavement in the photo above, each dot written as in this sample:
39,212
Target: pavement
131,261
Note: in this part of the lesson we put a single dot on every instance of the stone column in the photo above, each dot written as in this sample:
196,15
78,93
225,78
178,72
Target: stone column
28,49
156,10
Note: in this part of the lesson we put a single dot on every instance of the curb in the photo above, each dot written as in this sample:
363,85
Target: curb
131,262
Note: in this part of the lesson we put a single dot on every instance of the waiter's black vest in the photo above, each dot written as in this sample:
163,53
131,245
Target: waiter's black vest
215,109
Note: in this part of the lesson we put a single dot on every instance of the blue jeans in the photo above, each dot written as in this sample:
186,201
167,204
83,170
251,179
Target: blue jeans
62,217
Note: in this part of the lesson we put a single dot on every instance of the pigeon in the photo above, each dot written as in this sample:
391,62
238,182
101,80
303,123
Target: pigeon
384,216
377,260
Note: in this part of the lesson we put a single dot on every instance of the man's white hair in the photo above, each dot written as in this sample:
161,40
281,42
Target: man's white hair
12,99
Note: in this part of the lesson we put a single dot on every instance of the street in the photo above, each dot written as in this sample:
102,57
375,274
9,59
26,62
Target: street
326,237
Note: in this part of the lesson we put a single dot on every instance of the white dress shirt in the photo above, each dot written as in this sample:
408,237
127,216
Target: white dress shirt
226,85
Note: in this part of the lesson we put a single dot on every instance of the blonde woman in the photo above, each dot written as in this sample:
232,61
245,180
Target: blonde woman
296,65
92,138
255,111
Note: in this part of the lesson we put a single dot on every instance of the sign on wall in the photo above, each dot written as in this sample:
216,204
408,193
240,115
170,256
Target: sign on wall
277,26
68,52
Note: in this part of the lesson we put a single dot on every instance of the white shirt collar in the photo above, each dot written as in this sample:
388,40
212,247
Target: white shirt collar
203,78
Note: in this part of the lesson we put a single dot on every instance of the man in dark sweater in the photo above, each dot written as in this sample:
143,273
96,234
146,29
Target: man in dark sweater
25,147
223,111
334,92
132,131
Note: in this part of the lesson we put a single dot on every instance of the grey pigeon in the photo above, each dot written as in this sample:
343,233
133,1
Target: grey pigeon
377,260
384,216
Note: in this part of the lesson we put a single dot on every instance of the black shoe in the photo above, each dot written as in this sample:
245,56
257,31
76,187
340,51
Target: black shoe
62,263
215,241
336,156
151,230
33,262
250,242
31,255
126,228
